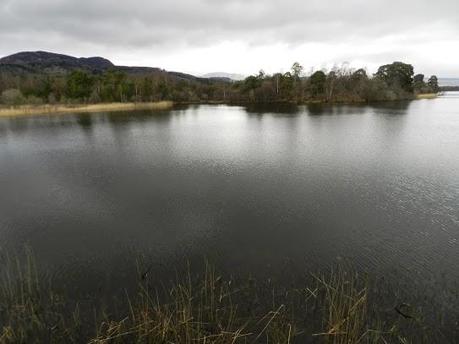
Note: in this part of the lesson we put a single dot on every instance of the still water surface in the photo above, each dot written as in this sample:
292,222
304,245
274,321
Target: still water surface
253,188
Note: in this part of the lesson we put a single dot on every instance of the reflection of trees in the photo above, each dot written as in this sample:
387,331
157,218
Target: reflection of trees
84,121
272,108
396,107
126,117
17,125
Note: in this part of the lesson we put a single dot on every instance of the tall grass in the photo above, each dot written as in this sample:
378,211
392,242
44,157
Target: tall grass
196,312
24,110
346,305
203,309
427,96
30,311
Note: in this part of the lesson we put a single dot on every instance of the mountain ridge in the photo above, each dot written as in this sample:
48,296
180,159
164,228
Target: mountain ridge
44,62
44,59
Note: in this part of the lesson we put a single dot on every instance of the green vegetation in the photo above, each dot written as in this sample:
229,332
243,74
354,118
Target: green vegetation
335,307
421,87
391,82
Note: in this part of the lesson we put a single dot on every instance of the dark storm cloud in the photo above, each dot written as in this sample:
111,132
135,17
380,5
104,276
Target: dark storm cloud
171,24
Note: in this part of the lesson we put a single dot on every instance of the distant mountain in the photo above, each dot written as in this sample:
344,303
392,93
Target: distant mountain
223,75
42,62
50,62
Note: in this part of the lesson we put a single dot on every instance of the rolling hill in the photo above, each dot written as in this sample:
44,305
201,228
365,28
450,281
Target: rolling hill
42,62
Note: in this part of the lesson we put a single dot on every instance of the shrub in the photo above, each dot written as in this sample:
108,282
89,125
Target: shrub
12,97
33,100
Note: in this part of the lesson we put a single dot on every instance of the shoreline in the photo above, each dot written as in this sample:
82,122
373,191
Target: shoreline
47,109
426,96
58,109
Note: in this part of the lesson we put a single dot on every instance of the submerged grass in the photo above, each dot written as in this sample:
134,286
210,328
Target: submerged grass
204,309
24,110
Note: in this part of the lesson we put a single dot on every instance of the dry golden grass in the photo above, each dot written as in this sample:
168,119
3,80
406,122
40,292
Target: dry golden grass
25,110
427,96
346,303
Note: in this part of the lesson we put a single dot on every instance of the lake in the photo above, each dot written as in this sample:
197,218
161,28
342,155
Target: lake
448,81
257,190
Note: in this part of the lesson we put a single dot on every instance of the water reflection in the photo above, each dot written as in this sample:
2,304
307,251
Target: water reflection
16,124
392,108
271,192
319,109
252,187
283,109
85,121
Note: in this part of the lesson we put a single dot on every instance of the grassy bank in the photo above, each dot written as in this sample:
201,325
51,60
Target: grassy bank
334,307
48,109
427,96
24,110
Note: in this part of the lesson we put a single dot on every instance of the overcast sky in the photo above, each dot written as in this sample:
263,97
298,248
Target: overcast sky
240,36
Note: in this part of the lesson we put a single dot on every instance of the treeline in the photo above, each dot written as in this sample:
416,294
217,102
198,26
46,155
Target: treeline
394,81
391,82
82,86
449,88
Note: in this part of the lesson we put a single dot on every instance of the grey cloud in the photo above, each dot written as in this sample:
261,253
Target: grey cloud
169,24
201,21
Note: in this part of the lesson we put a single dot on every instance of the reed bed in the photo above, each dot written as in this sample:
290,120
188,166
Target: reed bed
205,309
25,110
427,96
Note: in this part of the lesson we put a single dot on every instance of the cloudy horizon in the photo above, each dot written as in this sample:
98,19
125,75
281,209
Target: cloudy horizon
235,36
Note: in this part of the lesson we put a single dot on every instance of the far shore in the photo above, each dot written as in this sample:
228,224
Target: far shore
57,109
47,109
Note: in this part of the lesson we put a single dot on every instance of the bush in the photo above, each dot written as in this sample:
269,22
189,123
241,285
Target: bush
52,98
12,97
33,100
